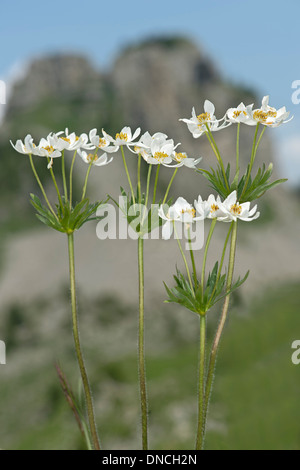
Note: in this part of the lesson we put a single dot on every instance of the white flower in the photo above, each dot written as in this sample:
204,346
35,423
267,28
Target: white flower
211,208
180,212
234,210
197,125
183,160
69,141
47,149
268,116
26,148
161,152
124,137
94,159
240,114
101,142
156,149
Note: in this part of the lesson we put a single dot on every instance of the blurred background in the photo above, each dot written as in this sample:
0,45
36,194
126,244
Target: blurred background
107,66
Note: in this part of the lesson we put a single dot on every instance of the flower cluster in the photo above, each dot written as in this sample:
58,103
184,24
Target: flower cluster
207,121
213,208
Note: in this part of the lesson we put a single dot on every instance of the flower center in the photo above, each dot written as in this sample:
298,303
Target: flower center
214,208
204,117
179,156
66,139
237,113
49,148
160,156
236,209
190,211
92,157
262,116
122,136
102,143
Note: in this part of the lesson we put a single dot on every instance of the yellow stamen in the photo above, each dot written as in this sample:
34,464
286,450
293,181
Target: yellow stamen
190,211
102,143
214,208
160,156
179,156
49,148
122,136
202,118
92,157
66,139
236,209
237,113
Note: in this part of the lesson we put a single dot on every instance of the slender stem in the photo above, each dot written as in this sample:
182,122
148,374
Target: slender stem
141,350
258,142
201,391
55,184
86,181
217,153
85,381
238,150
148,184
63,170
128,175
139,179
155,183
211,230
147,193
169,185
184,258
215,346
41,186
193,260
222,260
253,154
71,178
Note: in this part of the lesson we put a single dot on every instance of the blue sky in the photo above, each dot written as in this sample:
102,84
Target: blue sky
254,42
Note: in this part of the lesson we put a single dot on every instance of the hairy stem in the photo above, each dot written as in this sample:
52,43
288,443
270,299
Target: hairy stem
215,346
84,376
201,390
141,350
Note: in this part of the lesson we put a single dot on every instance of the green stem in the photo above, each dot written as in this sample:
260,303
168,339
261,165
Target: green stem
215,346
128,175
41,186
155,183
238,150
169,185
193,260
86,181
201,391
71,178
139,178
86,386
55,184
184,258
63,170
253,155
141,351
211,230
214,146
222,260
